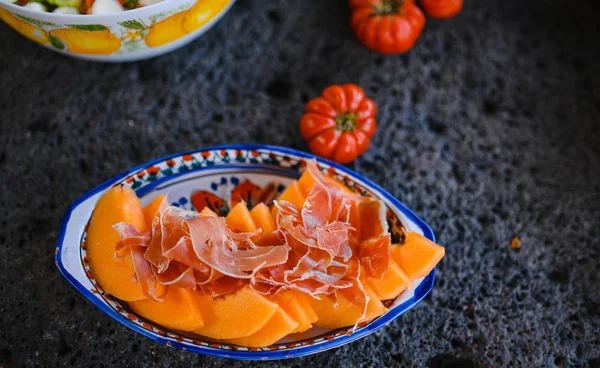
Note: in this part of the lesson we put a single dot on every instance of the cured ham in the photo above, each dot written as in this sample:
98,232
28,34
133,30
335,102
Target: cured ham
144,275
129,235
190,250
314,249
375,255
318,255
321,248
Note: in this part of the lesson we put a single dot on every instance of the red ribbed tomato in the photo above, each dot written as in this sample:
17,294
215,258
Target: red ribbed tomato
339,124
442,9
387,26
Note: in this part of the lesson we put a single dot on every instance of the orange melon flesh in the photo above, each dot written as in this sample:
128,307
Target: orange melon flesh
208,212
308,309
179,311
151,209
278,327
417,256
294,195
239,219
274,214
307,181
119,204
393,282
293,306
236,315
346,313
262,218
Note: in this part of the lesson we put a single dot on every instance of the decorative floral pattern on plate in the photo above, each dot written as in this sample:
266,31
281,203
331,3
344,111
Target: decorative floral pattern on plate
245,191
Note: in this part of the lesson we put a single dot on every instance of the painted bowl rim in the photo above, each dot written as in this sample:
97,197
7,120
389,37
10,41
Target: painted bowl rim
95,18
420,292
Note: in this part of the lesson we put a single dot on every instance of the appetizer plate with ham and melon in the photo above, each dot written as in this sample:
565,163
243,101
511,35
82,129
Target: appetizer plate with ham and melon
247,252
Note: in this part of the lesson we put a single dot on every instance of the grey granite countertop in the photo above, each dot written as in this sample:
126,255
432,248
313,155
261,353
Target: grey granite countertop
489,128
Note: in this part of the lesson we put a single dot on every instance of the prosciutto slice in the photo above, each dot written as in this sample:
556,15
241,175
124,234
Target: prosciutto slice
223,286
134,243
317,207
144,275
375,255
321,249
177,274
186,249
128,236
215,245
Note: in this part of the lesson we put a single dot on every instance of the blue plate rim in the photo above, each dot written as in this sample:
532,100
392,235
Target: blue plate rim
420,292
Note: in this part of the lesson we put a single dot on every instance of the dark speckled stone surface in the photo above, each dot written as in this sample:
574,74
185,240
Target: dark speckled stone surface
489,128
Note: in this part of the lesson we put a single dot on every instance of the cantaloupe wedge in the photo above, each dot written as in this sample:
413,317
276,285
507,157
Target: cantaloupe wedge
152,208
307,307
262,218
208,212
274,214
307,181
417,256
236,315
346,313
179,311
293,194
300,311
239,219
393,282
278,327
116,276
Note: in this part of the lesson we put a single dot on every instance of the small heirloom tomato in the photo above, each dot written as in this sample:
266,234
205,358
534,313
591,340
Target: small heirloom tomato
387,26
339,124
442,9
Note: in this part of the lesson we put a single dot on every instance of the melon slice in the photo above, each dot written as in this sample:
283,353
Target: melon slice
393,282
278,327
208,212
346,313
116,276
262,218
417,256
293,194
306,182
239,219
236,315
179,310
274,214
300,311
152,208
305,302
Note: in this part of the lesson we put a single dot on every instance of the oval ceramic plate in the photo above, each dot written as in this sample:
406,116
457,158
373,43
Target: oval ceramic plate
218,171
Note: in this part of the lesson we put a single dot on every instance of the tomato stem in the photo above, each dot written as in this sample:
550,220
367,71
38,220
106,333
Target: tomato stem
388,7
346,123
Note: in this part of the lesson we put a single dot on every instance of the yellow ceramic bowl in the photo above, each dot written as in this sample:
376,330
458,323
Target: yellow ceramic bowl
127,36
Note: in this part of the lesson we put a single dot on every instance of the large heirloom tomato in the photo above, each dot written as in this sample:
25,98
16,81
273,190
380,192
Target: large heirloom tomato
339,124
387,26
